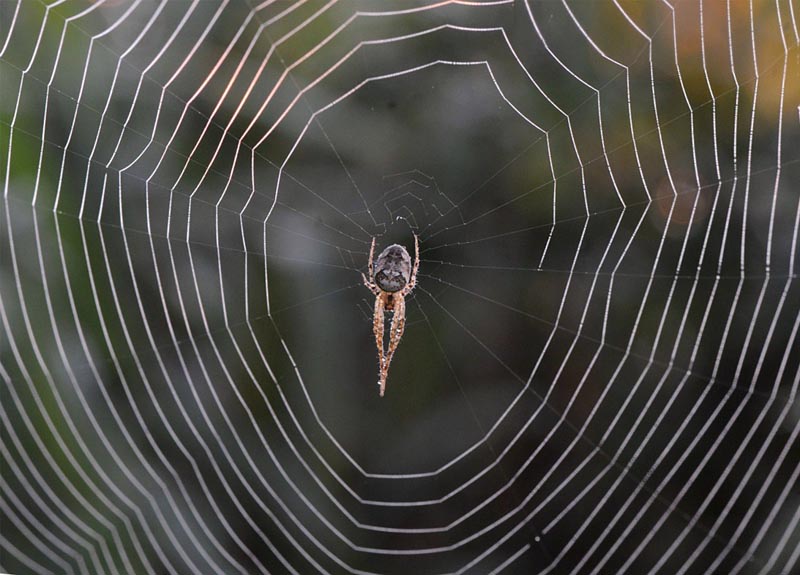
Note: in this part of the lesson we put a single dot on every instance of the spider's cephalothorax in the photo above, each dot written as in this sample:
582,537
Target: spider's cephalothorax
391,279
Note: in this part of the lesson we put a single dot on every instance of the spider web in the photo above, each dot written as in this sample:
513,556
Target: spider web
600,368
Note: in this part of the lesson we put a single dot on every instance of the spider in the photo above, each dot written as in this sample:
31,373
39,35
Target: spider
391,279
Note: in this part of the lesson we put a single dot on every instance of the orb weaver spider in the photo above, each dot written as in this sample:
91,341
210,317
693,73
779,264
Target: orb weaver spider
391,279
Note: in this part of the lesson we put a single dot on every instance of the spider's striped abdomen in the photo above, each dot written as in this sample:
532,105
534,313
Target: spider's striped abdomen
393,268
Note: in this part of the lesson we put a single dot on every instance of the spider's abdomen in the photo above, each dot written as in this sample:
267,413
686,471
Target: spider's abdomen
393,268
390,281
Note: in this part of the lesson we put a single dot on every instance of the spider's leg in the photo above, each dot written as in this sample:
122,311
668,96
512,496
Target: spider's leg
398,326
377,328
371,285
413,279
371,254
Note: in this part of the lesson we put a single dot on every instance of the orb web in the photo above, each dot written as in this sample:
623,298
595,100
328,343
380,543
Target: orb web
599,369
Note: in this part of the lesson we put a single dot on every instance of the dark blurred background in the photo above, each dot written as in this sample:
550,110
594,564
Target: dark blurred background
600,366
